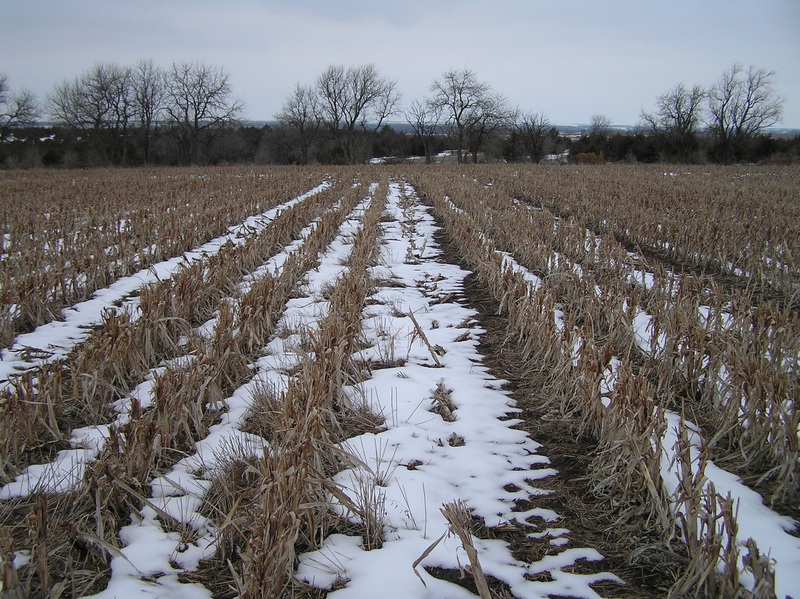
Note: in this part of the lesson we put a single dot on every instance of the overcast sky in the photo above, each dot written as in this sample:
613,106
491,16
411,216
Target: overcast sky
569,59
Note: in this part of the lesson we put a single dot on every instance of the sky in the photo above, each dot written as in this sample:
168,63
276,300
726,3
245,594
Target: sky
568,59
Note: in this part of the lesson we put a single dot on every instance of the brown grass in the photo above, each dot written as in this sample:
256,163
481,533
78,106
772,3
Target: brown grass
590,234
72,232
699,368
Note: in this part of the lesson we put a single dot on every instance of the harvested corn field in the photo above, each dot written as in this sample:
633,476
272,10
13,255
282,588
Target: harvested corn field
437,382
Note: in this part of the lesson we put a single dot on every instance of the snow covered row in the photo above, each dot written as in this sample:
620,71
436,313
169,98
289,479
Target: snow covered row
424,460
774,534
54,340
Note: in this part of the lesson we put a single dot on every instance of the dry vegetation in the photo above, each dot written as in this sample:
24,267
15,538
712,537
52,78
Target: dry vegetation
65,234
710,256
725,338
725,311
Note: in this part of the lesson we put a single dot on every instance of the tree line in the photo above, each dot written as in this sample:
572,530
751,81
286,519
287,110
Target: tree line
187,114
120,115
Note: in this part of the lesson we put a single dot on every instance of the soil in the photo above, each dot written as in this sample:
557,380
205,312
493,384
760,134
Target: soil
632,552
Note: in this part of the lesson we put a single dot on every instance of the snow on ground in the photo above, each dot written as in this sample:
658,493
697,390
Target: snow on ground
148,550
419,463
422,461
54,340
771,531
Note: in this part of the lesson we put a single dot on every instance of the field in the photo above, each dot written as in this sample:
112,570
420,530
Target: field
445,381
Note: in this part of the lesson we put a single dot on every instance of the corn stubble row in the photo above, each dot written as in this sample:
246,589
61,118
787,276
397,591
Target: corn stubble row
724,351
76,532
45,404
740,222
277,505
65,234
723,355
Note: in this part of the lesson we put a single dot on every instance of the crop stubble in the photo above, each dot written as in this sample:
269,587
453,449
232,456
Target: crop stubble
710,256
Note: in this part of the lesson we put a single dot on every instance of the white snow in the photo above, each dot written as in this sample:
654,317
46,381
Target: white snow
418,464
415,466
54,340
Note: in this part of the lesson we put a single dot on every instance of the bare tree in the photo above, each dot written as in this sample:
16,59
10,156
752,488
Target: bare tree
533,129
15,110
101,103
331,88
301,114
425,118
461,97
740,105
352,98
677,118
599,126
198,104
678,109
149,95
489,116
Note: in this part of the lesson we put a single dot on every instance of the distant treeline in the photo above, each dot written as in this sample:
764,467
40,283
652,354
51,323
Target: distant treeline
59,146
187,114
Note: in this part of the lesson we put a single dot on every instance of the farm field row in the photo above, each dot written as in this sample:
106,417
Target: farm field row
302,406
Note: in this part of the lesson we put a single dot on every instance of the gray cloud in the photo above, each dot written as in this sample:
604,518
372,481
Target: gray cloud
568,59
